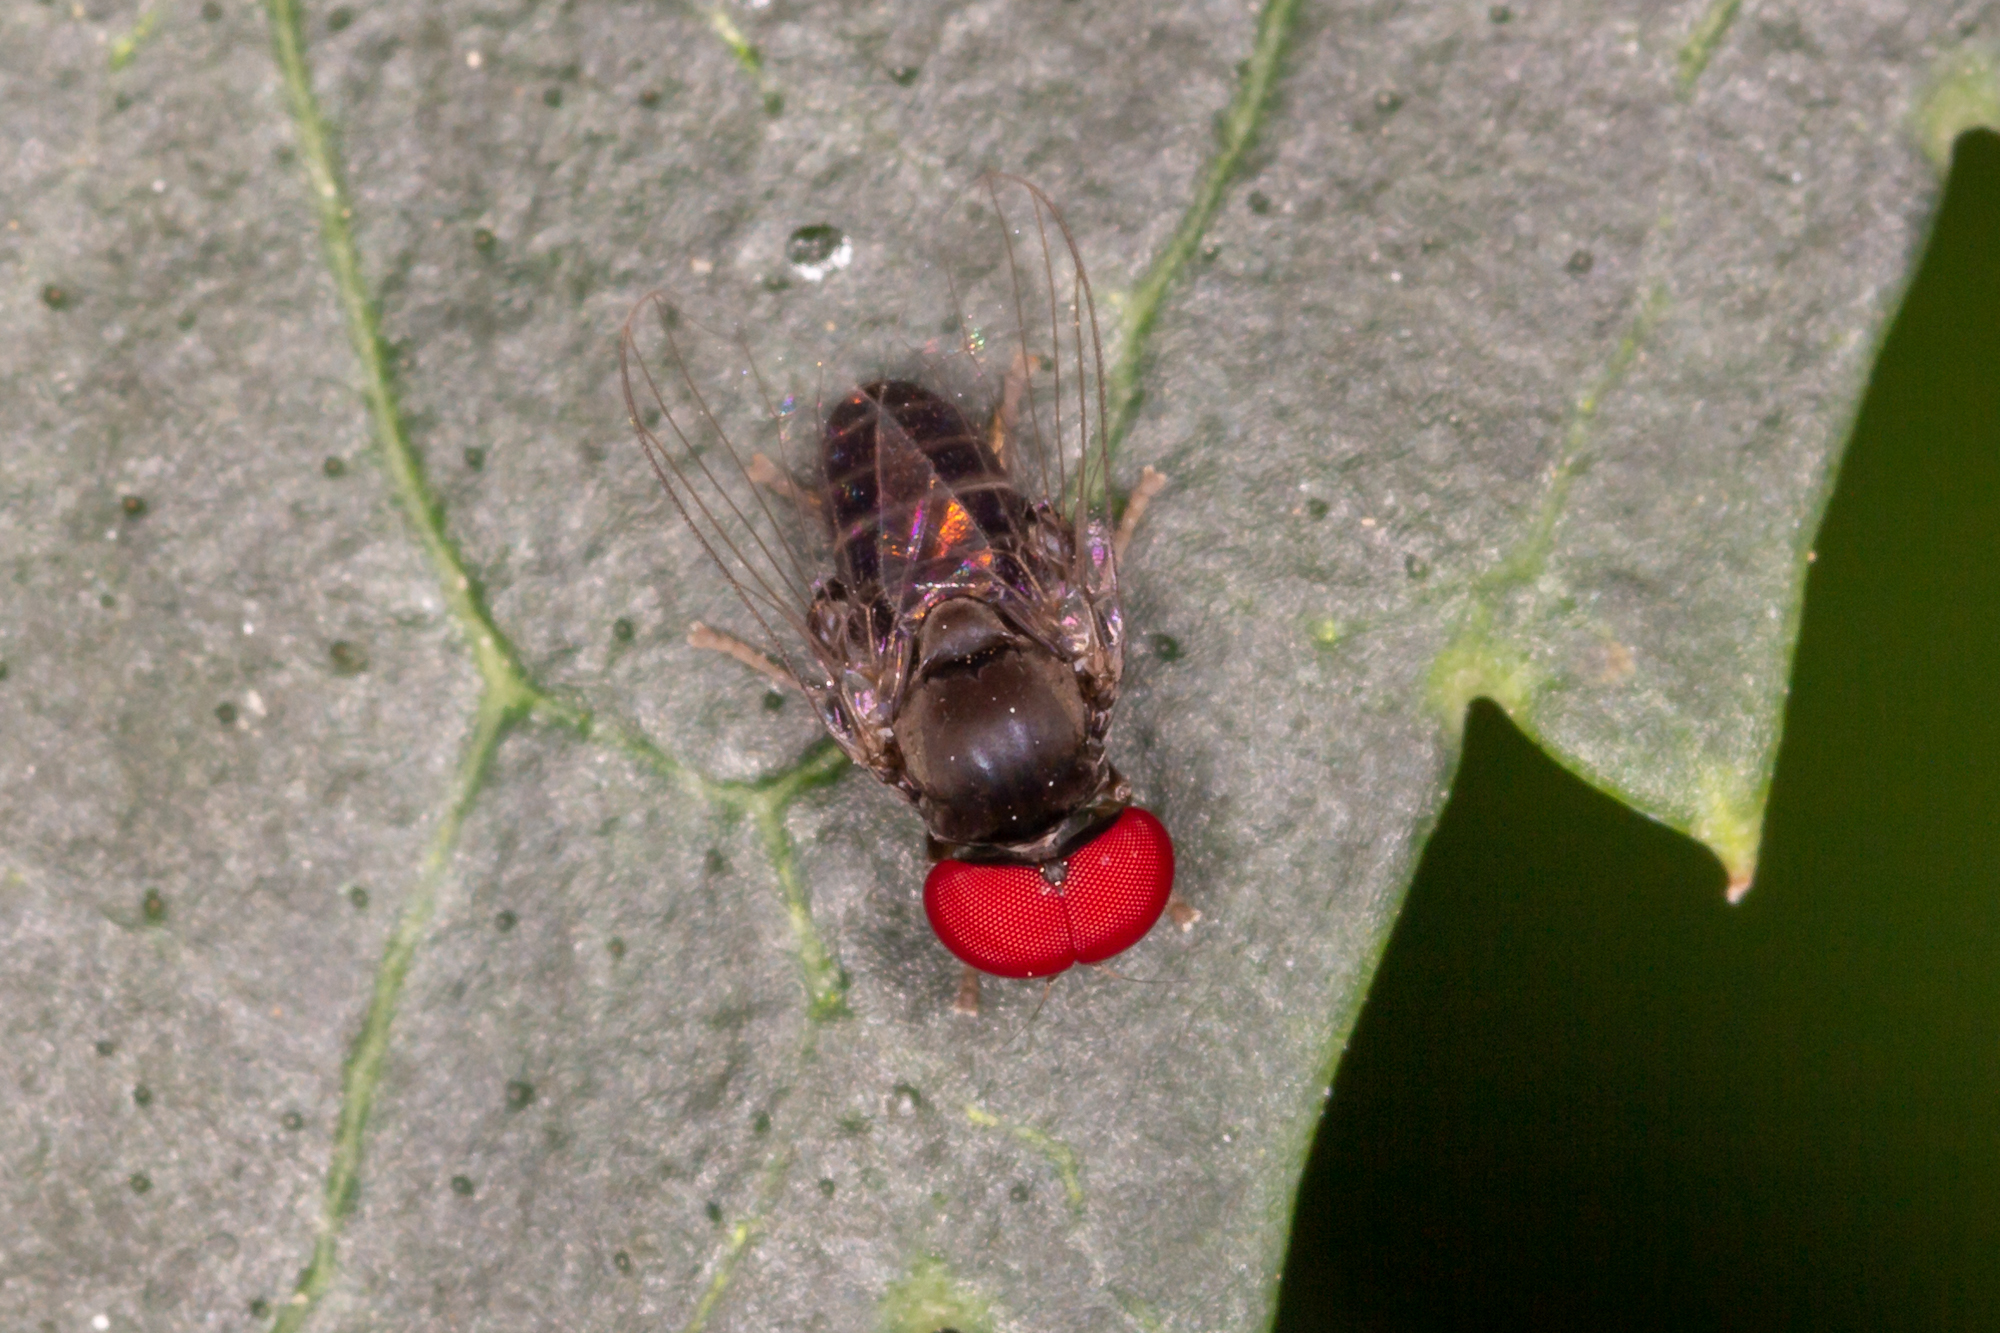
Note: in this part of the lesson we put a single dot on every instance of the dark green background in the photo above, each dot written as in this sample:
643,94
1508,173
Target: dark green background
1587,1093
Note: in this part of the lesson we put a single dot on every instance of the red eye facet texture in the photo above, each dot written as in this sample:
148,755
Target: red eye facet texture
1010,921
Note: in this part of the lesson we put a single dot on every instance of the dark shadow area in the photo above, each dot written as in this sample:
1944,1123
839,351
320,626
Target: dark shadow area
1585,1093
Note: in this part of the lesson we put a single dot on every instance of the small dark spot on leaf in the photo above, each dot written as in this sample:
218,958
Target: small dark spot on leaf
714,1211
1499,14
284,154
462,1186
777,282
292,1121
551,97
854,1123
615,946
55,297
1430,245
210,11
359,897
142,1096
504,921
106,600
760,1123
774,701
338,20
814,244
1167,648
1019,1194
349,658
133,505
622,1262
475,457
139,1181
905,75
153,907
826,1186
333,467
259,1307
1416,566
1387,101
622,630
650,98
905,1098
520,1095
1316,509
715,863
225,713
1260,203
106,1046
774,104
3,671
1581,262
483,240
186,321
1210,253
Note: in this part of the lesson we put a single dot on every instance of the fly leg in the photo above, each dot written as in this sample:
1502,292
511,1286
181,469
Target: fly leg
715,641
763,472
1151,483
967,1000
1023,366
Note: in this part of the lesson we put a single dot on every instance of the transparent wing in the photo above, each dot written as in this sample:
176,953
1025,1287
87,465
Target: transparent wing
705,413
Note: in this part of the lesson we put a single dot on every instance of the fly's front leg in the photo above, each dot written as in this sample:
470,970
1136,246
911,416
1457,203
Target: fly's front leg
1151,483
715,641
967,1000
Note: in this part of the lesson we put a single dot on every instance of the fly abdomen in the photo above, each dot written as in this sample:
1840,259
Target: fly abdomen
855,474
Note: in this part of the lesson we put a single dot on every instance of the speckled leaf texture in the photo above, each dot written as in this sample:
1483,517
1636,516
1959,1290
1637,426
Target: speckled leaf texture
402,927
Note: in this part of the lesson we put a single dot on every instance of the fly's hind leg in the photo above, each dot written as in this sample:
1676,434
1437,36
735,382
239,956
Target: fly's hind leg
1151,483
715,641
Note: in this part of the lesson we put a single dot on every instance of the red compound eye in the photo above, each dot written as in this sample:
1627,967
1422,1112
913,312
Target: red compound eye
1012,922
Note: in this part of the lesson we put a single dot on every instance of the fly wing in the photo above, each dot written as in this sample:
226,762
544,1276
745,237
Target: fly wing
703,412
1026,323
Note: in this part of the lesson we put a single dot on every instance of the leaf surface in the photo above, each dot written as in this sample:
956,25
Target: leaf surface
404,925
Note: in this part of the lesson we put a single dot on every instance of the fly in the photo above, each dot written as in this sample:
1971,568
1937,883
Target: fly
942,585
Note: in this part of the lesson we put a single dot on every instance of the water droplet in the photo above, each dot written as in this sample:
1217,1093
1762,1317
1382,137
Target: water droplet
817,250
153,907
520,1095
